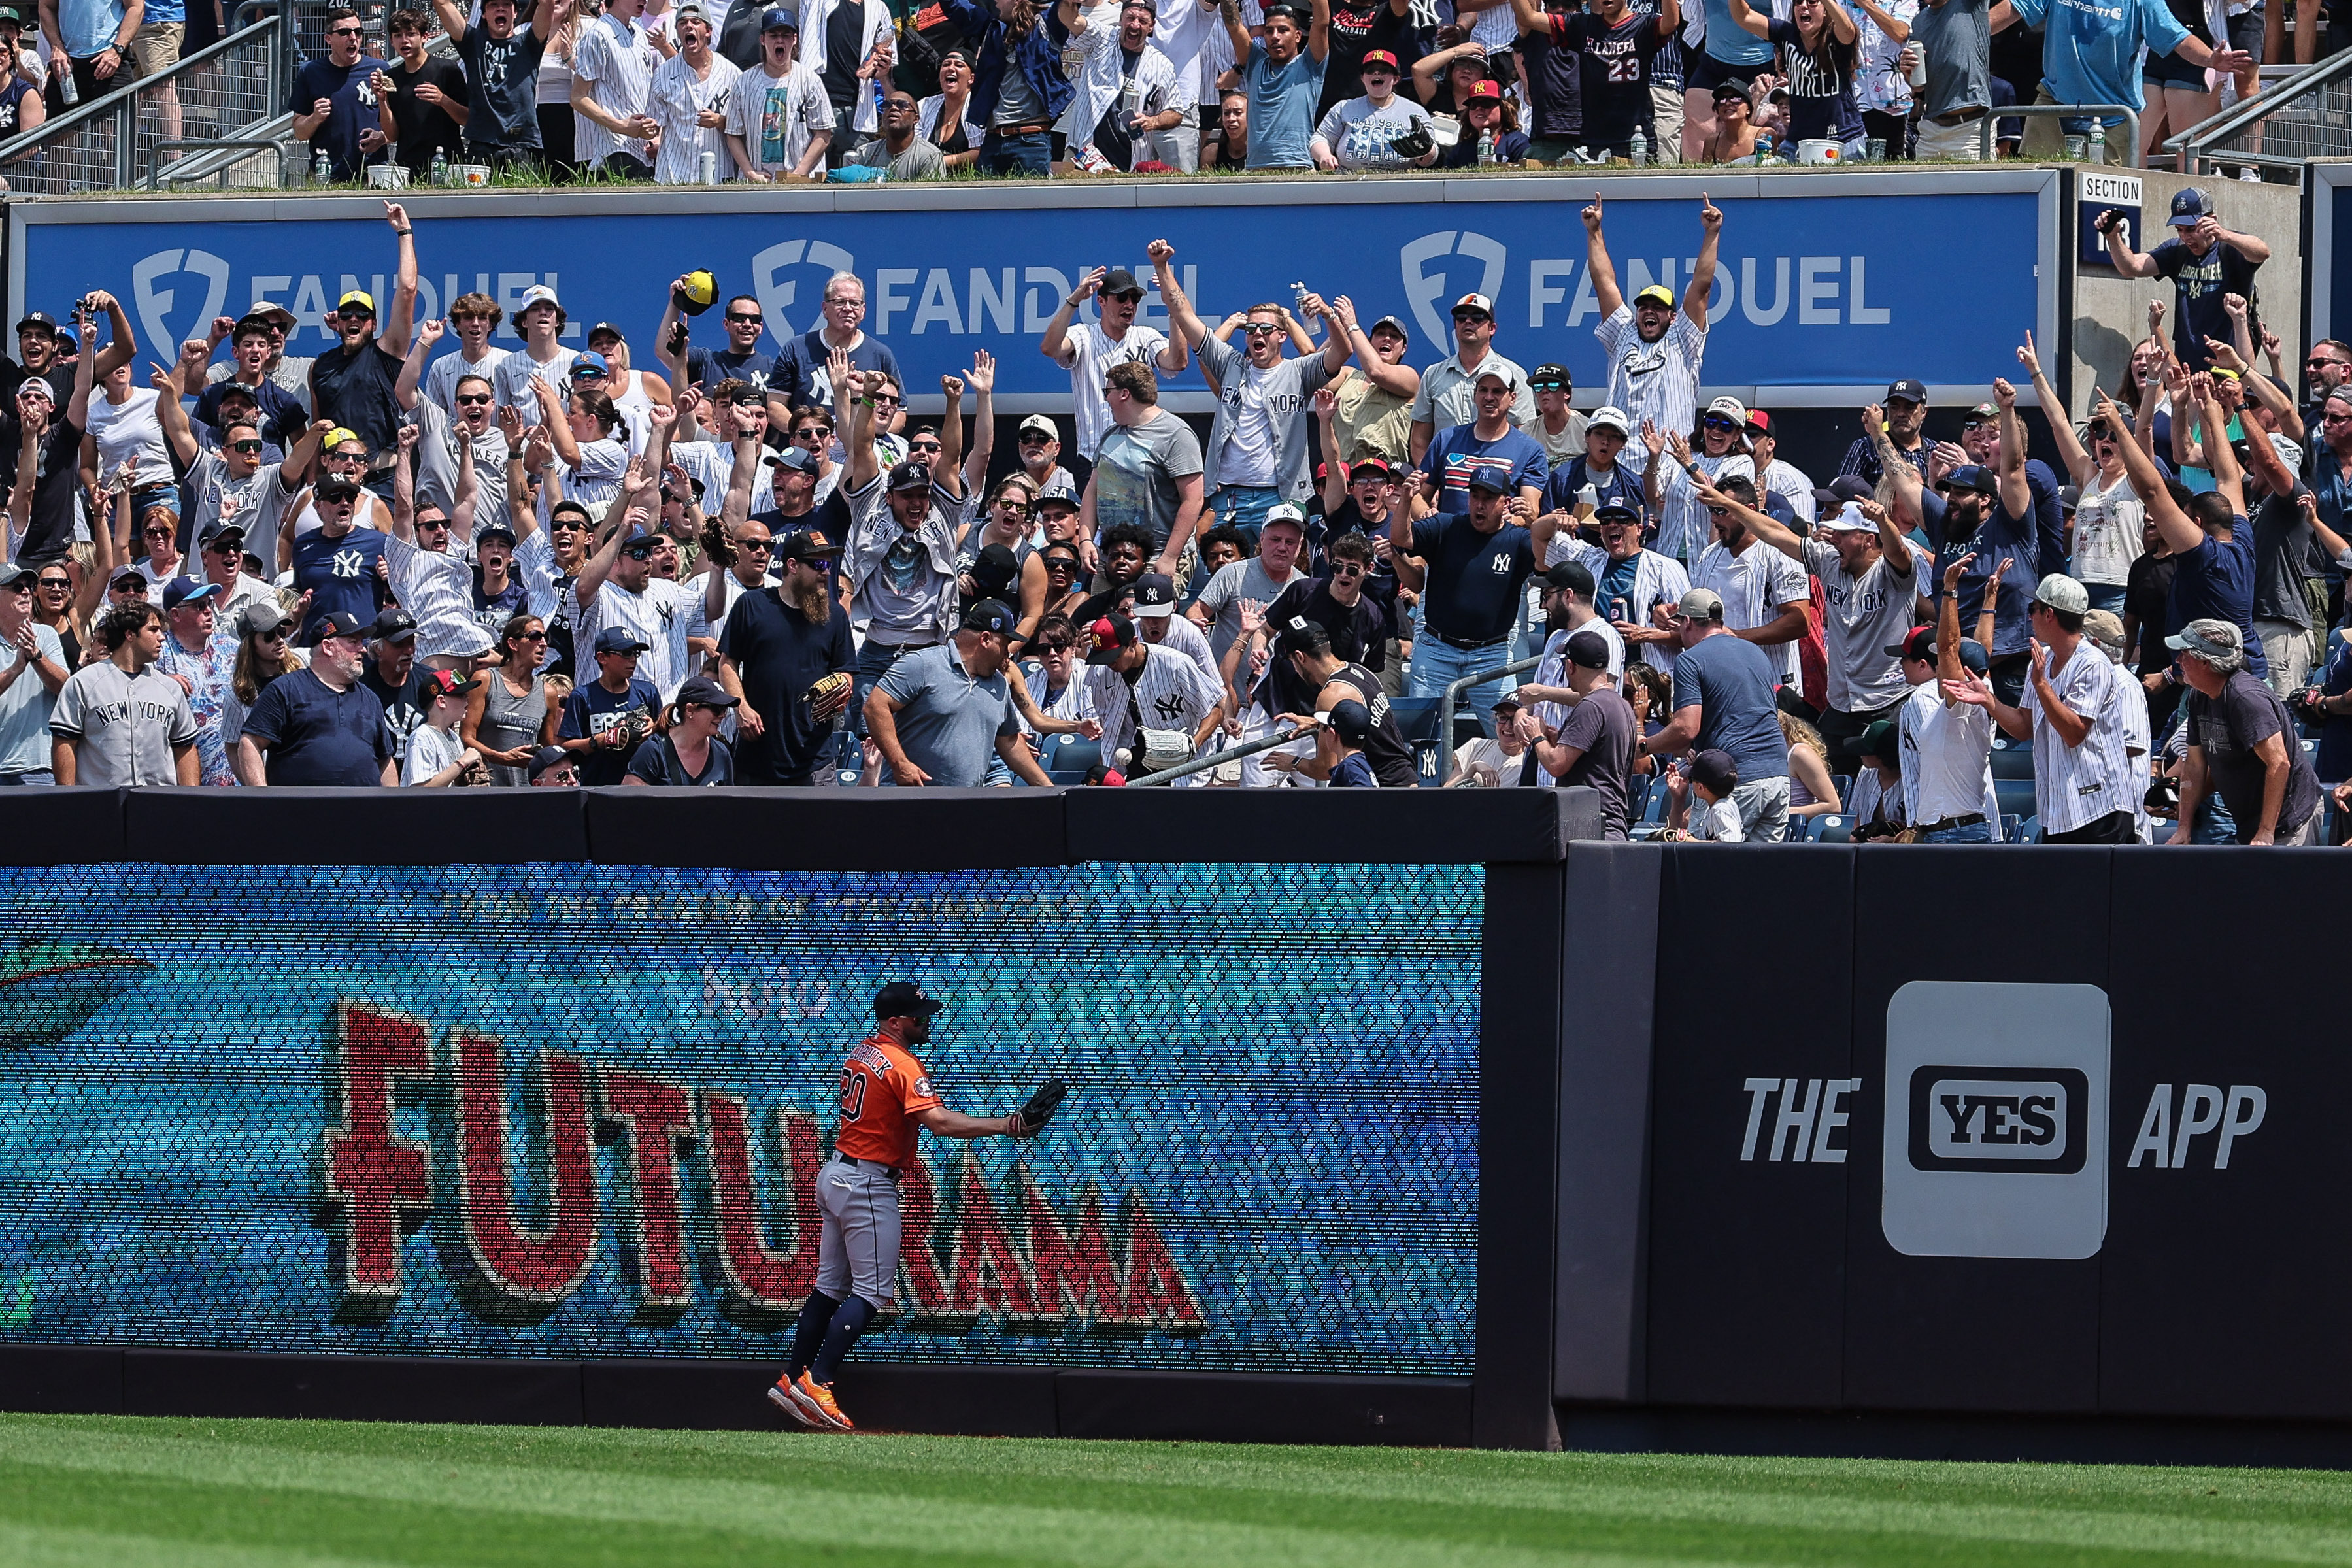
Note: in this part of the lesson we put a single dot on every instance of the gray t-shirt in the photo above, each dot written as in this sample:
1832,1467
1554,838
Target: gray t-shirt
949,722
1866,616
1136,471
125,727
257,503
1957,38
1222,597
1284,396
920,161
24,705
437,466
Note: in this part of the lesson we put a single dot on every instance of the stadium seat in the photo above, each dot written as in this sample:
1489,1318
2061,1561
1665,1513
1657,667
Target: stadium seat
2011,758
2010,827
1655,809
1837,828
2015,794
1801,830
1416,717
2028,832
847,777
1068,753
1068,776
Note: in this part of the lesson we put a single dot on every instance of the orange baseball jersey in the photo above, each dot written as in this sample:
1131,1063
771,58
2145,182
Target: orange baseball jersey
882,1089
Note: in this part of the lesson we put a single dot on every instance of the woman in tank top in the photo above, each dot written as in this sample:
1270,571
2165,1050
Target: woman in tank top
509,713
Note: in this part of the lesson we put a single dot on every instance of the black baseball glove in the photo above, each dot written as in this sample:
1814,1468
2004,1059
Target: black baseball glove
1413,143
1040,1108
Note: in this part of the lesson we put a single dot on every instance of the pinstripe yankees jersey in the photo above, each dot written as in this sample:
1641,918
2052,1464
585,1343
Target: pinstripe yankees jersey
1657,381
2076,785
1169,693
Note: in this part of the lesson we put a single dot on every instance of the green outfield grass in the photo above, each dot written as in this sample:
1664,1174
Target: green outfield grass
205,1494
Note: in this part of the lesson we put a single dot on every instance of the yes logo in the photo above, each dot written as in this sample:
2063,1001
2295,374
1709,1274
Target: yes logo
154,305
777,295
1425,289
1995,1141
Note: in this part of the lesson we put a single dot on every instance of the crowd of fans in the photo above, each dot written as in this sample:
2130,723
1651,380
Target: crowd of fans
424,559
701,91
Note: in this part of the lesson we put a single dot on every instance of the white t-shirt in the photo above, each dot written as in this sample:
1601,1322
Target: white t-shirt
2107,523
1488,753
1718,822
1947,752
1359,135
129,429
430,751
1183,32
1247,460
1094,353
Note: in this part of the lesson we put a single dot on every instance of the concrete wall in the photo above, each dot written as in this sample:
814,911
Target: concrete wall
2108,313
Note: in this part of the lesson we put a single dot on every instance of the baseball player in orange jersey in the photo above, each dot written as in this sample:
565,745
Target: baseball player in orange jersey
886,1097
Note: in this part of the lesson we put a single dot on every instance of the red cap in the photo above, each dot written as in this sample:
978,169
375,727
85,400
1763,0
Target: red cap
1380,57
1488,88
1757,419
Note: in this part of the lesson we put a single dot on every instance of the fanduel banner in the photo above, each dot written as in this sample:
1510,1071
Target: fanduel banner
1828,285
578,1111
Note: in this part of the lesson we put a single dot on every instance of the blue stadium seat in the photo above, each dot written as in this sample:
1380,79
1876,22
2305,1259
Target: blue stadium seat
2015,794
1837,828
1068,775
2028,832
2011,758
847,777
1637,801
2010,826
1801,830
1416,717
1071,753
1655,809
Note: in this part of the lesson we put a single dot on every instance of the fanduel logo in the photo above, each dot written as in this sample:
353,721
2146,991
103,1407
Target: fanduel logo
1995,1138
154,305
1425,290
1997,1119
776,294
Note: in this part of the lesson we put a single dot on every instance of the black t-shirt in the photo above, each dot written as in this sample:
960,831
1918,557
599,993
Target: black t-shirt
351,90
844,51
738,33
1556,77
2286,551
502,90
2228,727
2146,591
1380,585
1359,632
779,655
404,705
425,128
316,734
1358,27
60,379
592,709
355,390
1821,85
1475,579
657,762
2198,285
54,483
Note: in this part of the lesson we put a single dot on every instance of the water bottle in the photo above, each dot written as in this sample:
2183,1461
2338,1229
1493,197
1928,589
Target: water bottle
1640,149
1764,147
707,167
1485,147
322,168
2098,147
1298,298
440,175
66,88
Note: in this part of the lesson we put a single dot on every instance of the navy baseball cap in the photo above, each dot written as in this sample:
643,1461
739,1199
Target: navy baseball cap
1970,476
797,459
1571,575
392,624
2190,205
1494,481
905,999
1908,391
991,615
910,475
1352,720
184,590
701,691
776,17
805,545
618,640
336,624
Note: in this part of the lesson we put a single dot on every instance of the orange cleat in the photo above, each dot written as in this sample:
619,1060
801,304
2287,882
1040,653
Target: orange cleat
784,1397
812,1395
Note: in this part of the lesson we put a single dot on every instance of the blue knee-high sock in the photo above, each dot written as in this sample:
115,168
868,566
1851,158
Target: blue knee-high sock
808,1333
847,1325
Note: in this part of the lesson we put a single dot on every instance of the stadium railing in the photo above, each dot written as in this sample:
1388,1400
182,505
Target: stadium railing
2303,116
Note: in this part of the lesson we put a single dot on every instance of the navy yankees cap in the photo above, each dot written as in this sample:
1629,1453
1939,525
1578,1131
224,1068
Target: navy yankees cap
991,615
903,999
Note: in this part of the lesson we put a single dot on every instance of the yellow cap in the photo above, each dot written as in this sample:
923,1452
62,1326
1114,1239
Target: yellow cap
338,436
361,295
1664,295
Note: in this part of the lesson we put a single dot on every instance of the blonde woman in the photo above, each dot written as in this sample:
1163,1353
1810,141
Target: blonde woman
1811,791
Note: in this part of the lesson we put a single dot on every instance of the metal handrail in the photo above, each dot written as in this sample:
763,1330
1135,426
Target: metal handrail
2248,111
1219,759
2062,111
1477,678
113,104
186,169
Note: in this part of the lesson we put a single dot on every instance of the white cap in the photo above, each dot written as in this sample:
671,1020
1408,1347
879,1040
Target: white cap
1848,519
537,294
1730,408
1610,417
1043,424
1283,512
